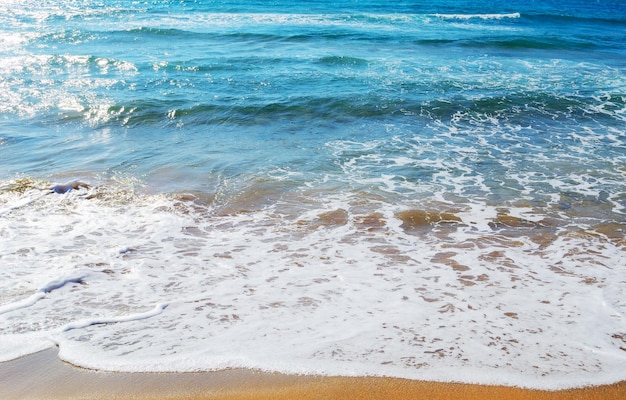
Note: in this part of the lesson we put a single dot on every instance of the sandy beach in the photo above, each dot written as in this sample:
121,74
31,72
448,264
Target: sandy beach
44,376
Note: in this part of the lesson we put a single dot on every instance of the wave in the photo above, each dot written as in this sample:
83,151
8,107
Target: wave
528,107
519,43
530,43
478,16
540,18
343,61
184,25
522,105
307,108
575,20
220,29
277,27
235,36
514,105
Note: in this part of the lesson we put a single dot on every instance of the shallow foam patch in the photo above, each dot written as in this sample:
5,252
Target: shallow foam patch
348,285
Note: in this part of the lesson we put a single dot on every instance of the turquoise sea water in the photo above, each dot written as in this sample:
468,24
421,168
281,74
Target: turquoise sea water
385,187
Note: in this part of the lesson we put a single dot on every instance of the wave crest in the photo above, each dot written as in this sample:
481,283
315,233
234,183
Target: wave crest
478,16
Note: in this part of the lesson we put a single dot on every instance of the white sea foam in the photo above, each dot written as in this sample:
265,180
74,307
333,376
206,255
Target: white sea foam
344,286
477,16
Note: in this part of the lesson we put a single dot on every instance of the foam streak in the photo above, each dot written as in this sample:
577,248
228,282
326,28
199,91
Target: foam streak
158,309
477,16
27,302
41,293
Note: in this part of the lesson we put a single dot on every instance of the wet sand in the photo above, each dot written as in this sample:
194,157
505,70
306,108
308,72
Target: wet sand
44,376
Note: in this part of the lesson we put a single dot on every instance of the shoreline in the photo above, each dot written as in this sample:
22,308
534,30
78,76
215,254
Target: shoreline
44,376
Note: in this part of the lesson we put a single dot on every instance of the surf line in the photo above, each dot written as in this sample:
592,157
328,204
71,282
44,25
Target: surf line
158,309
42,292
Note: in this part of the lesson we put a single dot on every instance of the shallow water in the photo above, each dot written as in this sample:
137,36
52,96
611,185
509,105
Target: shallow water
431,192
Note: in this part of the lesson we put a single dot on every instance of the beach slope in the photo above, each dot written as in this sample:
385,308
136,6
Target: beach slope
44,376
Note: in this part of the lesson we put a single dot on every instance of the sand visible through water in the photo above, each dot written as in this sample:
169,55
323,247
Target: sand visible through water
44,376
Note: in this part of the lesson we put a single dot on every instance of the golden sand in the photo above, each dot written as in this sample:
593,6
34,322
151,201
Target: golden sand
44,376
387,388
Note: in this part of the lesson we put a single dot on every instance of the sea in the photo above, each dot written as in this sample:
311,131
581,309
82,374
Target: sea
425,190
